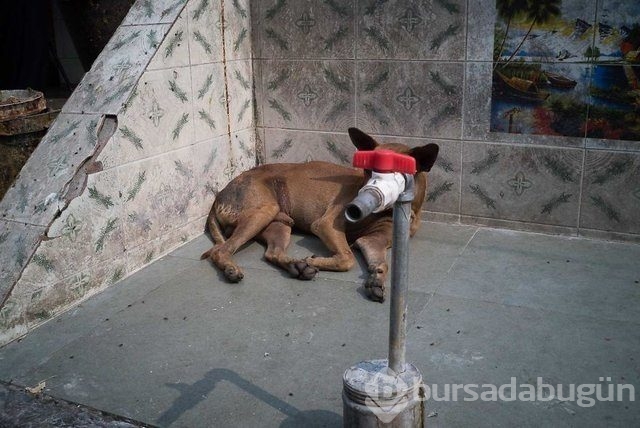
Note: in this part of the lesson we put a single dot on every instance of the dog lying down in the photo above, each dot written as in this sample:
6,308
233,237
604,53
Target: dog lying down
266,202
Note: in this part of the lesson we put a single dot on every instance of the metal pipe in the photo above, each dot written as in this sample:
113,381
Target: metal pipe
400,277
363,205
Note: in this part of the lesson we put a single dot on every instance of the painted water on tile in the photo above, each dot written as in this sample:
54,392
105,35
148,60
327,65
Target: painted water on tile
560,71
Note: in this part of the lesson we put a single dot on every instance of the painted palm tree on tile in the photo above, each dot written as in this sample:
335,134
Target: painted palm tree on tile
508,10
538,12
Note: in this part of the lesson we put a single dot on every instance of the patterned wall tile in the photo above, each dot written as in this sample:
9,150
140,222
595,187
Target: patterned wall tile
205,31
421,99
209,100
258,93
315,95
478,109
480,31
39,190
240,96
306,29
162,193
153,12
443,192
47,301
17,242
159,118
106,87
89,231
174,49
403,29
539,185
611,192
237,31
243,154
303,146
12,318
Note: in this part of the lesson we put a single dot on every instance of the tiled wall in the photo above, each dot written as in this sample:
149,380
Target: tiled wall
128,172
420,72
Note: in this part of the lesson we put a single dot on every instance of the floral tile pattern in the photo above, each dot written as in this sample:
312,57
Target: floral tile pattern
316,95
421,99
536,185
611,192
237,29
174,49
107,86
107,193
305,29
40,189
300,146
240,84
153,12
402,29
158,118
209,100
205,31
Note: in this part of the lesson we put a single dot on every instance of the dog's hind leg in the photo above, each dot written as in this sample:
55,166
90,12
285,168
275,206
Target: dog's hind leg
250,223
374,249
277,237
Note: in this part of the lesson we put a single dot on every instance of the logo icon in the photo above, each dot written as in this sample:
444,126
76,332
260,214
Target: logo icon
386,394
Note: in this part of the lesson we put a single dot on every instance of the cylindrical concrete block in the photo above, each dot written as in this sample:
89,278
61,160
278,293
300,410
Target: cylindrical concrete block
374,396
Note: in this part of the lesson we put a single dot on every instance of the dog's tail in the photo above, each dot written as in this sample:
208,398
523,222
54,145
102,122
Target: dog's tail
214,230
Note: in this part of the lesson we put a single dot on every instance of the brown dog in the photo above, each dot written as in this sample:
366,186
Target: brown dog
266,202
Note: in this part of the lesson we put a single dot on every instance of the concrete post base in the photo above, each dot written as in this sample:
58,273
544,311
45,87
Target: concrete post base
373,396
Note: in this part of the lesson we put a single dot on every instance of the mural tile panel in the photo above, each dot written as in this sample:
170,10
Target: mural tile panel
403,29
306,29
39,190
538,185
479,107
419,99
611,192
315,95
112,77
560,31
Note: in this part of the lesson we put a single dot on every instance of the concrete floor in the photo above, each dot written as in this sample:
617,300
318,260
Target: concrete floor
174,345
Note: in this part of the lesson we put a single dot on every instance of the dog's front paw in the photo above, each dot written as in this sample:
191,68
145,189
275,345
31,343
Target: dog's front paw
302,270
374,287
233,273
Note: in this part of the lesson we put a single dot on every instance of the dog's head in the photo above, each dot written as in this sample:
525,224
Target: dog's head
425,156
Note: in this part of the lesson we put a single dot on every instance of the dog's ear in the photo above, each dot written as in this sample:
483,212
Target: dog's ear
361,140
425,156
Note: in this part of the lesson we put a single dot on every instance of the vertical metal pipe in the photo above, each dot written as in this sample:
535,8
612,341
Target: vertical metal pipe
400,277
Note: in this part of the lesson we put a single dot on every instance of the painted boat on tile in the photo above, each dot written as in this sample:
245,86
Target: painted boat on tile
522,89
559,81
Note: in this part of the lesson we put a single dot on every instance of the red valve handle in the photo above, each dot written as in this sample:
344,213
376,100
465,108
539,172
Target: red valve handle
384,161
